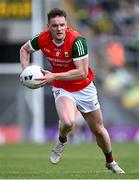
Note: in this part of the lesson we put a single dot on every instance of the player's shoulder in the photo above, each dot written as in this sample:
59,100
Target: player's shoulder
79,48
37,36
80,39
45,34
75,36
80,42
44,38
73,33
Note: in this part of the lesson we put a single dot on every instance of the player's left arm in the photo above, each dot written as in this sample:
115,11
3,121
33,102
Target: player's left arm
80,59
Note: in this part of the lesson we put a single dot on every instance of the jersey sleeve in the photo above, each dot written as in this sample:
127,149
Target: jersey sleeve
79,49
33,43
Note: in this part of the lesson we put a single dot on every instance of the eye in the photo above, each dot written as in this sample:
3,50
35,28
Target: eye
54,25
62,25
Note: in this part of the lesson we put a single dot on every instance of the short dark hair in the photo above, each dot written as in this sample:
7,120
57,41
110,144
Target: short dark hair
56,12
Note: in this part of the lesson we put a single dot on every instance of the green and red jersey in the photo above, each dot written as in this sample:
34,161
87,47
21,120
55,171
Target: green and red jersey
62,56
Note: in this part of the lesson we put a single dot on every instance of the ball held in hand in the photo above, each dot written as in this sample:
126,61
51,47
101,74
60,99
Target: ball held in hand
29,75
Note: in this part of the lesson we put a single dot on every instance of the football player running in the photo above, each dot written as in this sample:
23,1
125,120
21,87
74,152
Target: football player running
72,82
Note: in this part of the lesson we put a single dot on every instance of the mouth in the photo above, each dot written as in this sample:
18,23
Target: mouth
59,34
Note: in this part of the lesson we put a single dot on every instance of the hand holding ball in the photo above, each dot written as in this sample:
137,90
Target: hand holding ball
29,76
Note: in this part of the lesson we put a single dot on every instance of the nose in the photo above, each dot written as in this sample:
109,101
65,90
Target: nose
58,28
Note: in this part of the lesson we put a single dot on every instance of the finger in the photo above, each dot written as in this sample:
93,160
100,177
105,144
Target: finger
44,83
21,79
39,79
45,71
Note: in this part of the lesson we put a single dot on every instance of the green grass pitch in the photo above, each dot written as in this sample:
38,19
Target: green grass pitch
84,161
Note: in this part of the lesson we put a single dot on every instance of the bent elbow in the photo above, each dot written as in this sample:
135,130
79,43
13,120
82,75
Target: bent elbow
84,75
25,49
22,50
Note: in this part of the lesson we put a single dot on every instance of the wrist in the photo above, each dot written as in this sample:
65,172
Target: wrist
55,76
24,67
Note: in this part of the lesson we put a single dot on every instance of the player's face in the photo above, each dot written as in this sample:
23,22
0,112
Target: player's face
58,26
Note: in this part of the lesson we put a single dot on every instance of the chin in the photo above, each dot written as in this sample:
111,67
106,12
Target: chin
60,39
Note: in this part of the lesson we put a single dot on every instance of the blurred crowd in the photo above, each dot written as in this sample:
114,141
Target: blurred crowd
114,27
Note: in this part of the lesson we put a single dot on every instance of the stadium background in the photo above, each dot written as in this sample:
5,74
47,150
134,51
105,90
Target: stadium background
112,30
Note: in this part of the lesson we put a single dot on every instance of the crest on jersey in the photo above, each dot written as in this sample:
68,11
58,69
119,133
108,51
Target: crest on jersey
66,54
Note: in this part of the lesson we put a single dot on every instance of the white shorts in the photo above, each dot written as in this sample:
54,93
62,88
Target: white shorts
86,100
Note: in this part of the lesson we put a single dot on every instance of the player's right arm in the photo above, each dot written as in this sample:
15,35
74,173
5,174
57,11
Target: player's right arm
26,50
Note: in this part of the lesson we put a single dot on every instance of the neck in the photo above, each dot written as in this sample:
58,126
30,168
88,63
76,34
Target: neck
58,41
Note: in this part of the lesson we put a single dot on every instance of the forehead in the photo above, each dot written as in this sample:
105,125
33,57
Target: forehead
58,20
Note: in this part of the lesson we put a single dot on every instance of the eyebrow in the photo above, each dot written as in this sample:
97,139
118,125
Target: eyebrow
58,24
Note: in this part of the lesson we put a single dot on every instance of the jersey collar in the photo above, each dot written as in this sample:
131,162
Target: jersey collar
58,44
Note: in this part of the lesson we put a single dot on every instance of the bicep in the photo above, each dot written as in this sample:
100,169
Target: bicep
82,64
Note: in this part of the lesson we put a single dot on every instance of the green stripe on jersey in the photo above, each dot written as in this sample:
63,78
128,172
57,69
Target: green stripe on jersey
34,42
79,48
